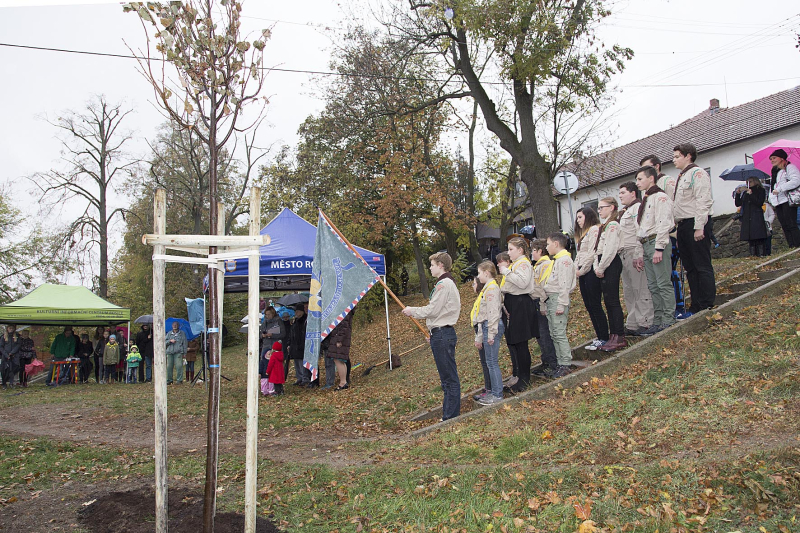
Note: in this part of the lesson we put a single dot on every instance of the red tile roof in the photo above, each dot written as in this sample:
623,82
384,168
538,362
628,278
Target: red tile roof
707,131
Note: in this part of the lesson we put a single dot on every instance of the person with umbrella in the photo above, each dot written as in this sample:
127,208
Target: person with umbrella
751,199
787,183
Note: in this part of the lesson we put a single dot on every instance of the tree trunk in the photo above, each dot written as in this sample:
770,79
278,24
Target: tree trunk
536,176
473,240
421,265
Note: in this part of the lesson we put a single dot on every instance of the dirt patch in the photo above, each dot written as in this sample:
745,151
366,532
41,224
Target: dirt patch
108,507
134,512
186,434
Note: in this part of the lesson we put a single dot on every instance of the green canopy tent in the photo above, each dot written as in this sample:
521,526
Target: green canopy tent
55,305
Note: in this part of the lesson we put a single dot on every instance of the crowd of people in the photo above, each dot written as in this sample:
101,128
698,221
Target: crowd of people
625,242
106,353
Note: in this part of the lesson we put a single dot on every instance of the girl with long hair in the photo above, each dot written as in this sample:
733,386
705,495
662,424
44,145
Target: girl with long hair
485,317
586,233
607,268
522,323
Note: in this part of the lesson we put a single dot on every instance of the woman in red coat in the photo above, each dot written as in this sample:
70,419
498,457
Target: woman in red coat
275,372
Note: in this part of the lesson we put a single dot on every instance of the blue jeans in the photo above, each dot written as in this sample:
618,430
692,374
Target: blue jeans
492,356
148,368
443,346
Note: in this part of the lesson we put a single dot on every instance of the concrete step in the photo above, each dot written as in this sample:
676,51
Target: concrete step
769,275
726,297
746,286
793,263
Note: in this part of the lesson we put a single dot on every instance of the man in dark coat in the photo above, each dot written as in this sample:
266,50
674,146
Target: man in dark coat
10,345
144,341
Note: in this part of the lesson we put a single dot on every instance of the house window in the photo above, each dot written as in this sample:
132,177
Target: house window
708,170
591,203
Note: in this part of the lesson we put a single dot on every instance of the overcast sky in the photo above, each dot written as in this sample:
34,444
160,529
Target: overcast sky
687,52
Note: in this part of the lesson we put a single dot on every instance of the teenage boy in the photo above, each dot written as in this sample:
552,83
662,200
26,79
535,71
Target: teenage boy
692,203
634,281
557,284
441,315
655,223
665,182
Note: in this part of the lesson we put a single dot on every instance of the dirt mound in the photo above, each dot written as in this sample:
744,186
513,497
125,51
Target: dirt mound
134,512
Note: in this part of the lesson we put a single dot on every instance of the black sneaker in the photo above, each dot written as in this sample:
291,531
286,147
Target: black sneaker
539,371
562,371
477,397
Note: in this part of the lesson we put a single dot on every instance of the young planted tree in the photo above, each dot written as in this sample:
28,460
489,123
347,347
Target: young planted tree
210,73
94,161
555,67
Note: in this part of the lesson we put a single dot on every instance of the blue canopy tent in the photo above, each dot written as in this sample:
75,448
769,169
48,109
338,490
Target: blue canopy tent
285,263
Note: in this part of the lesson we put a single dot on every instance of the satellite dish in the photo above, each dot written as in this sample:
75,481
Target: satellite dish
565,182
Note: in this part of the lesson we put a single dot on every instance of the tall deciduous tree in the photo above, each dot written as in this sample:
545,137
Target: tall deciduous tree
556,69
94,161
219,72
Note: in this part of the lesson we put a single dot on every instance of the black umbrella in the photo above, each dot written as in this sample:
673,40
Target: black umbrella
292,299
743,173
144,319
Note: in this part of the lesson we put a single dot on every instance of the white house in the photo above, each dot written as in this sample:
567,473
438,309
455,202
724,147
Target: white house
723,137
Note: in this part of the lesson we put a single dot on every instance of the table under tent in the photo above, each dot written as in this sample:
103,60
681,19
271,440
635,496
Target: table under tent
285,263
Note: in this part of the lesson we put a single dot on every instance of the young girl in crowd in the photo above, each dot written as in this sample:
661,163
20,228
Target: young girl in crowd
485,317
275,372
542,265
607,267
27,353
522,324
586,232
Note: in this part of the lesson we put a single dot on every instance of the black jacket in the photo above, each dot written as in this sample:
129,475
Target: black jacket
341,335
753,225
144,344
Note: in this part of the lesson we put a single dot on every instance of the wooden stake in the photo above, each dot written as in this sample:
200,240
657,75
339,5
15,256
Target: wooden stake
422,328
251,454
160,364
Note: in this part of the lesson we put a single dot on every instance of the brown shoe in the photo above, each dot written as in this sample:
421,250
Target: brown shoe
614,343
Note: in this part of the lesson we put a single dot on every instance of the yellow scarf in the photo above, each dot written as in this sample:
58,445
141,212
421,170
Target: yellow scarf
521,259
476,307
549,270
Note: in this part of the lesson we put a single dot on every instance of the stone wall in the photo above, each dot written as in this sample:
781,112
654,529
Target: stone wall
727,233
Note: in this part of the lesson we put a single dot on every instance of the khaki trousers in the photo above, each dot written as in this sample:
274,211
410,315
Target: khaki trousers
638,301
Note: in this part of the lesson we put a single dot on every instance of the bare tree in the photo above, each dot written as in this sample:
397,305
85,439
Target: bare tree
93,156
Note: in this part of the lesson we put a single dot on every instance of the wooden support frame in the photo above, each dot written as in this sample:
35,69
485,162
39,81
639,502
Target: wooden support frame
227,248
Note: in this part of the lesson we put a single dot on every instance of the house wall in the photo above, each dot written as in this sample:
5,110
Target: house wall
718,160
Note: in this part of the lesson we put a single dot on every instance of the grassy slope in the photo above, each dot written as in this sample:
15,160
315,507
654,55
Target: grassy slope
702,436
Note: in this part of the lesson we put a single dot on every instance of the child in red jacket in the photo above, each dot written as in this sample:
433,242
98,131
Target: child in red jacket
275,372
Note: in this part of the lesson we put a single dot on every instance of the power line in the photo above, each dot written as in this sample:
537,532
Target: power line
363,75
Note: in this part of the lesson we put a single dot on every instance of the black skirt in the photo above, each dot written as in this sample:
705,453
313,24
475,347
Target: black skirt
522,324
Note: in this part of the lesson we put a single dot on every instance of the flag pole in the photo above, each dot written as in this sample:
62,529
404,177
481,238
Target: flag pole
422,328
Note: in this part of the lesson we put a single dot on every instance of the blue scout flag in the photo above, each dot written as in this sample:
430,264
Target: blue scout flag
196,310
339,279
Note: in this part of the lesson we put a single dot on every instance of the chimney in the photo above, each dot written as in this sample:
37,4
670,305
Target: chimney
713,105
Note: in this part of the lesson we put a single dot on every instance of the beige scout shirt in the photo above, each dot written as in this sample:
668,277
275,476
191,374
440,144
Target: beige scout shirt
629,229
519,279
667,184
657,220
561,282
538,269
608,247
585,256
444,307
692,197
489,310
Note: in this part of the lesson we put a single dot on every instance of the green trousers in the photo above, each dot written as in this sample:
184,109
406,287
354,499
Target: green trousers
175,361
558,330
660,284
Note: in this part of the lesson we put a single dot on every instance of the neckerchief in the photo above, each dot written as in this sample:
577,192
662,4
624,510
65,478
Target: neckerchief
549,270
677,181
446,275
622,211
652,190
521,259
476,307
600,232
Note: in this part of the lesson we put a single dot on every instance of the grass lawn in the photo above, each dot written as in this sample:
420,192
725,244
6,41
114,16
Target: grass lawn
703,435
